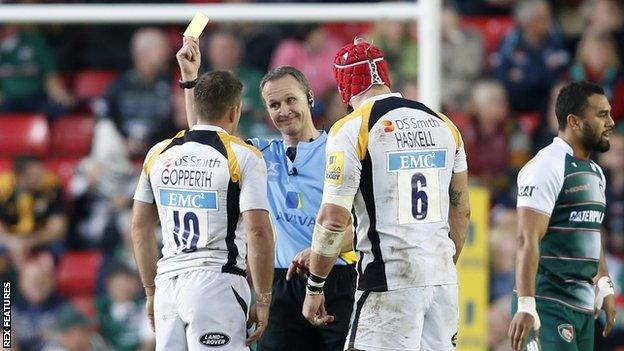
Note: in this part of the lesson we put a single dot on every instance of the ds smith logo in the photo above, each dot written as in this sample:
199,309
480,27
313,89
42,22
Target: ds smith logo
387,125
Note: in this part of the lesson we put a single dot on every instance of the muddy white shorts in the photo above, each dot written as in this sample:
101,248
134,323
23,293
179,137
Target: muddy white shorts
413,319
201,310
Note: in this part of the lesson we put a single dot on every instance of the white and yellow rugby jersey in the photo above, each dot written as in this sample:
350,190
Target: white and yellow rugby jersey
396,157
201,181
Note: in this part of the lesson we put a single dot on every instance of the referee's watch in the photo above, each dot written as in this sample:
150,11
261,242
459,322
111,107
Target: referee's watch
190,84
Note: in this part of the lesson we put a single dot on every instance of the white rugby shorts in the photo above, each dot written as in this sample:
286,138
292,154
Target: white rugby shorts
413,319
202,310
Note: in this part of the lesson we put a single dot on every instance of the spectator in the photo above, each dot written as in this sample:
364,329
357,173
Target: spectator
224,52
74,333
102,189
458,75
29,81
605,17
121,312
313,56
486,137
32,213
499,317
531,57
35,313
502,241
399,49
548,127
139,101
597,61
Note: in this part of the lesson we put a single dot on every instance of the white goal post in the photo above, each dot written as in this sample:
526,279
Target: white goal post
425,12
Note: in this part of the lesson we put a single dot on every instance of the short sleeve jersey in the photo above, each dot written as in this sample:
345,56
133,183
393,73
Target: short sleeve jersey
571,192
201,181
395,157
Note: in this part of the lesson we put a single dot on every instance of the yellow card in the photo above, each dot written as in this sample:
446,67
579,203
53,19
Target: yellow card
196,26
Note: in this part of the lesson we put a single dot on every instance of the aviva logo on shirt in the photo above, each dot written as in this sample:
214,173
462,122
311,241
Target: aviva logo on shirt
294,200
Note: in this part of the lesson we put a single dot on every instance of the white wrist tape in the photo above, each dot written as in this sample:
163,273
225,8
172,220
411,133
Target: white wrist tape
527,304
326,242
604,288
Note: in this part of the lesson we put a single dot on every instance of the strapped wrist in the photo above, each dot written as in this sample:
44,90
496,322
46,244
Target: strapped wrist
189,84
526,304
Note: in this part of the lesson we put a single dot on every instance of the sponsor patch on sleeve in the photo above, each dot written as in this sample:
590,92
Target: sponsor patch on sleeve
334,169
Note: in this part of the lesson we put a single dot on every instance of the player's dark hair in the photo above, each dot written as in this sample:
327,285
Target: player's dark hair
572,100
282,71
21,162
215,93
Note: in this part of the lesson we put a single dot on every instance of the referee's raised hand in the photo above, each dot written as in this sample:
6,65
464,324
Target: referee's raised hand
189,58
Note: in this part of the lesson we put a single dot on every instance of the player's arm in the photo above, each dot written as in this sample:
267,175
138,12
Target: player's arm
144,219
605,294
343,158
532,226
333,221
189,60
459,211
260,245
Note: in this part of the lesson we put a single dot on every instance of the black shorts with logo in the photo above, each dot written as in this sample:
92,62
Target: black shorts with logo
288,330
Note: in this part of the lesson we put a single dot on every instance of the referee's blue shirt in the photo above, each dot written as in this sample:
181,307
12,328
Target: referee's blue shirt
295,191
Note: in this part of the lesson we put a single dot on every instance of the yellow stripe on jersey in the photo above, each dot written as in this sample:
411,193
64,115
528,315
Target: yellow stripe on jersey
152,158
363,112
233,165
454,130
238,141
350,257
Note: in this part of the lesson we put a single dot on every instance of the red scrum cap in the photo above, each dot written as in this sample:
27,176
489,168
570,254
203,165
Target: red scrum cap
357,67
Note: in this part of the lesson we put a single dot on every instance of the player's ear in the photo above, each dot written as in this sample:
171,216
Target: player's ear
310,99
573,122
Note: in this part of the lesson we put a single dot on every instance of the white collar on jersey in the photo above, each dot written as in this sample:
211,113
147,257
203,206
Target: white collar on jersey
380,97
564,144
208,127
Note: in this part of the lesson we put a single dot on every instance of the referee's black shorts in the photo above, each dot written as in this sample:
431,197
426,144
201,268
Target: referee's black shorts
288,330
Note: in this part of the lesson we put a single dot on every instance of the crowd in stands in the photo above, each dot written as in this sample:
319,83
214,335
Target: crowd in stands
81,105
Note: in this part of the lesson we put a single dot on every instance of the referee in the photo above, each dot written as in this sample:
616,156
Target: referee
295,188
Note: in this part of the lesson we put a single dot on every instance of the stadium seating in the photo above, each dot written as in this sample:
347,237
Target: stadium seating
77,273
6,164
24,134
92,83
492,29
64,168
72,135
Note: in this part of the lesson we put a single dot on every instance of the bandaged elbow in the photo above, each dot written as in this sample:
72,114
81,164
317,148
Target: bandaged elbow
326,242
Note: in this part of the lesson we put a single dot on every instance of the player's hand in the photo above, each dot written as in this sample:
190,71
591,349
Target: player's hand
314,310
519,329
300,265
189,58
149,309
261,319
608,305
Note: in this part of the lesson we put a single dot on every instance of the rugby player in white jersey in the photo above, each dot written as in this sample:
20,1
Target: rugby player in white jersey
402,168
208,188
